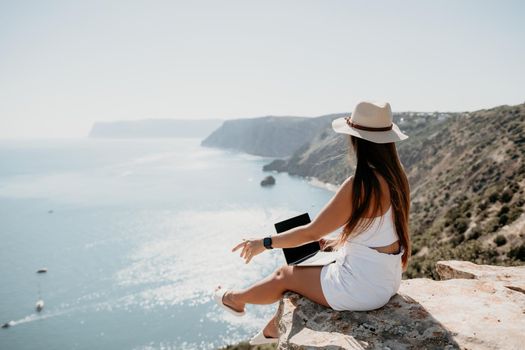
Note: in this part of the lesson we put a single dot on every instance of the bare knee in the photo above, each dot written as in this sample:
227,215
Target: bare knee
282,274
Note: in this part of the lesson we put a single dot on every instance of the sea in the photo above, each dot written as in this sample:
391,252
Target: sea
135,234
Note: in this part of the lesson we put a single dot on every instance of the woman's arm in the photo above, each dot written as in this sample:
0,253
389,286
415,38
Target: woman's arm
334,215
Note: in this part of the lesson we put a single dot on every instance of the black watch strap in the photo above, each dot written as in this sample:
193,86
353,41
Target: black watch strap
267,242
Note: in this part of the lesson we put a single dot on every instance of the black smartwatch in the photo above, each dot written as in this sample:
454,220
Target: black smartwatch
267,242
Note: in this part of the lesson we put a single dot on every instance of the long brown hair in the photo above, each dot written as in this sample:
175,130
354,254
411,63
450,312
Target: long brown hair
384,159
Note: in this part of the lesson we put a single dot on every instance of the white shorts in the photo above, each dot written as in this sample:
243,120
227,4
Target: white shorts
361,279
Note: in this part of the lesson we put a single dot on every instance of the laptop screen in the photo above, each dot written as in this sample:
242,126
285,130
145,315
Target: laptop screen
295,254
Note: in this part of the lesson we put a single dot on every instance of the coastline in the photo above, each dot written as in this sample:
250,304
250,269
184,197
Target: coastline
312,180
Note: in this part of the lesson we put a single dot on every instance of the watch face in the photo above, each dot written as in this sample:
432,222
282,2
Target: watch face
267,242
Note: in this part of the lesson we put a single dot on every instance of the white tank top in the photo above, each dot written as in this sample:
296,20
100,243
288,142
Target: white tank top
382,232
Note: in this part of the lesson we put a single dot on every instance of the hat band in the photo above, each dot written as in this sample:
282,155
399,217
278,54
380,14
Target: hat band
367,128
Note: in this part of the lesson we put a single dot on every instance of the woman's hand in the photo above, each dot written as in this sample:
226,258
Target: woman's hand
250,248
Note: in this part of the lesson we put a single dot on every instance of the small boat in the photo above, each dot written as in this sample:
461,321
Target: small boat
39,305
8,324
42,270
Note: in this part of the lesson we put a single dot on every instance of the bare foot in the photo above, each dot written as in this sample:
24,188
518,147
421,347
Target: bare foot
229,301
271,330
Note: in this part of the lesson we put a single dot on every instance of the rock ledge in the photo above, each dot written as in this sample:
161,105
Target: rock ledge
471,307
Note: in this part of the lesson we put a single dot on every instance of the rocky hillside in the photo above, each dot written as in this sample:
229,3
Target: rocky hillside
326,156
466,172
267,136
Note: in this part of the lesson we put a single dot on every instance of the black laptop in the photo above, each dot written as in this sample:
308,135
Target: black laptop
308,254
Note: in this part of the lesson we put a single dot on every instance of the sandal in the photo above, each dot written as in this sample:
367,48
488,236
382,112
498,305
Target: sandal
260,338
218,296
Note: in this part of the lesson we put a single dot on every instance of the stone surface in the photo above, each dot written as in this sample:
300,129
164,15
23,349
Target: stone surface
512,276
481,311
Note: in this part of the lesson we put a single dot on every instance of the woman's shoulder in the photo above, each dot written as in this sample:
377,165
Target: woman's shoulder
346,185
385,189
384,198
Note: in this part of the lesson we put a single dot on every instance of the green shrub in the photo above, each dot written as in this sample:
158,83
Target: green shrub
506,196
504,210
475,233
246,346
514,214
453,213
503,219
482,205
500,240
457,239
461,225
493,197
517,253
466,205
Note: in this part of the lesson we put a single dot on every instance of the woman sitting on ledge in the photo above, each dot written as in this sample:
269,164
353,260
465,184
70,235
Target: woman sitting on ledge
373,206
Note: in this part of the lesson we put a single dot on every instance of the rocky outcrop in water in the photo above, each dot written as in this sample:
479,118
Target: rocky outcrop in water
268,181
472,307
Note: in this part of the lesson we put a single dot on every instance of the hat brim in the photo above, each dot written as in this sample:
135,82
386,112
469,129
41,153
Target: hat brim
339,125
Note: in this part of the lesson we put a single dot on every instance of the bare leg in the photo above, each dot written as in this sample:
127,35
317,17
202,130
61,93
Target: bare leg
304,280
271,330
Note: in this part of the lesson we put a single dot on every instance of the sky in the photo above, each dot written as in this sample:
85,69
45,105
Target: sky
67,64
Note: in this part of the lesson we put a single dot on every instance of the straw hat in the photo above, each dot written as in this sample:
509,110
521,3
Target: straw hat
371,121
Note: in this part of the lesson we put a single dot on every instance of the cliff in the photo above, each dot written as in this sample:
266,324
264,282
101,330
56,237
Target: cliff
326,156
153,128
471,307
267,136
